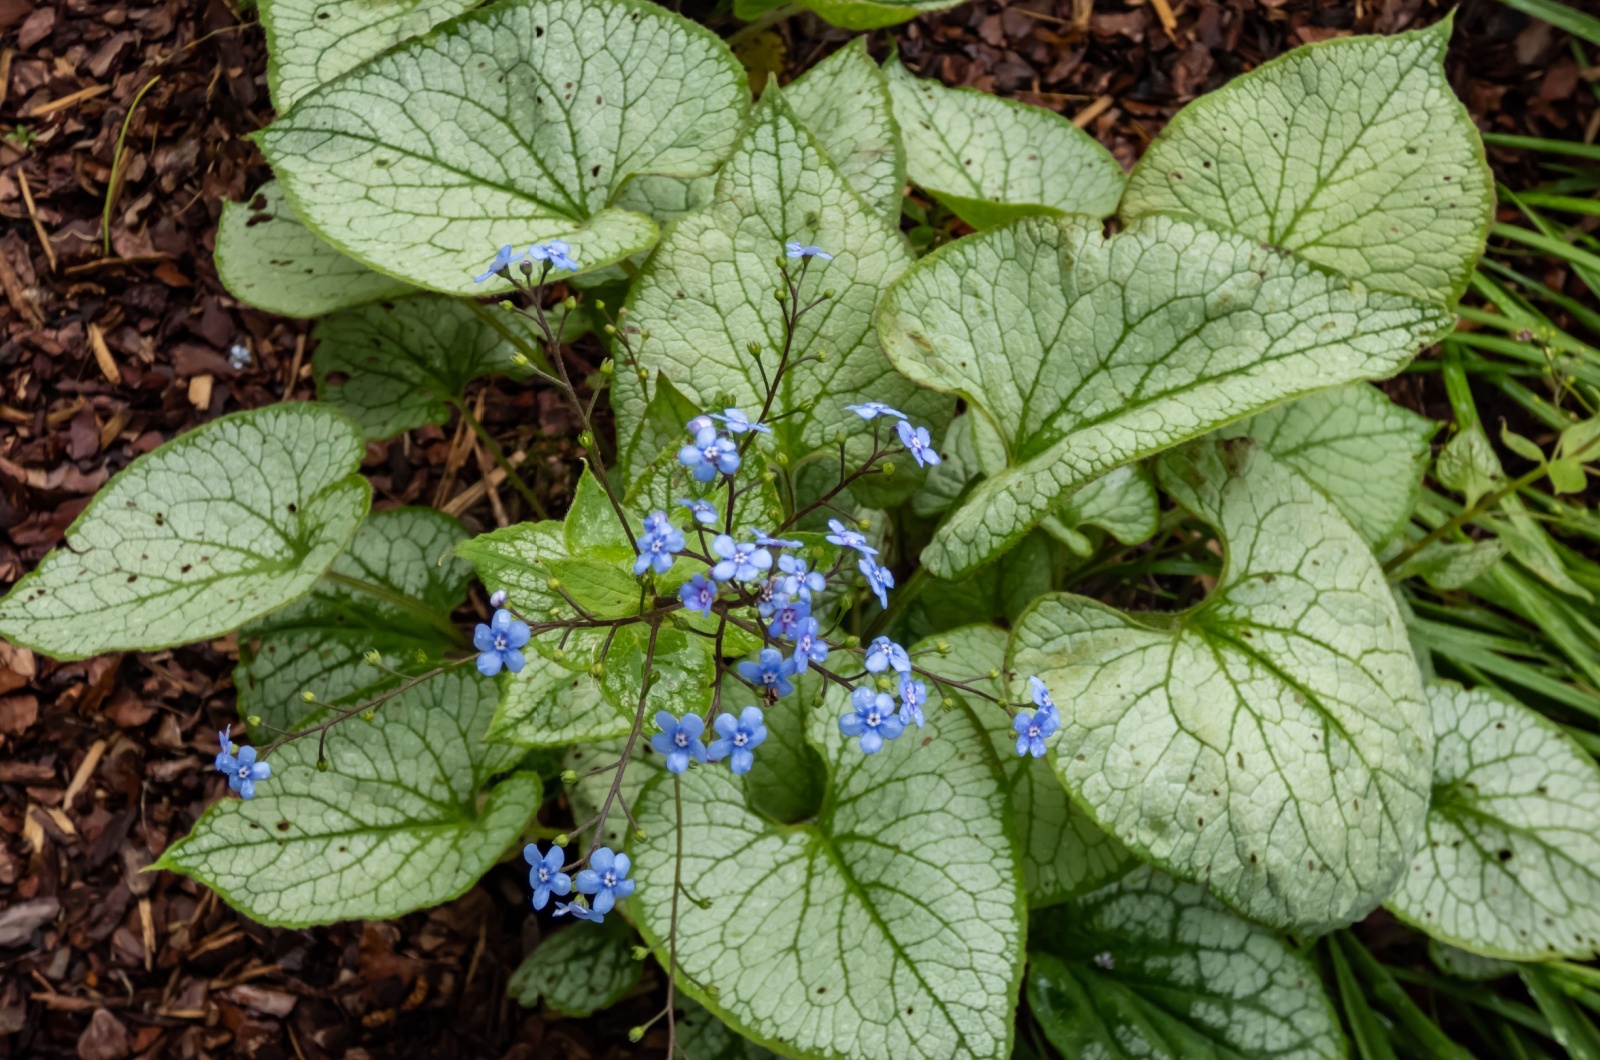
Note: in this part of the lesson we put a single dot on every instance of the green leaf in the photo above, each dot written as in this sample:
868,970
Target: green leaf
1187,979
590,790
990,159
1122,502
591,527
1353,153
704,1037
511,124
1523,447
1361,449
1088,352
1467,464
310,43
1272,742
707,293
873,14
1000,591
664,482
666,198
267,258
397,365
1454,564
683,667
890,927
408,583
1511,864
550,705
606,588
1464,965
844,101
1064,853
660,429
393,825
580,970
944,482
516,559
214,528
1566,476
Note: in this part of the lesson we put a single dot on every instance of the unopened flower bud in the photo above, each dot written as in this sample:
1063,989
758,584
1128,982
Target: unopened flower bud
622,312
640,834
769,476
888,467
569,776
597,670
308,696
944,647
598,304
610,329
713,991
780,295
644,376
635,1034
369,715
373,657
753,347
852,641
562,840
520,360
644,335
508,305
497,599
828,293
640,952
782,459
554,584
586,439
569,303
254,719
993,674
527,268
322,765
559,655
821,355
606,367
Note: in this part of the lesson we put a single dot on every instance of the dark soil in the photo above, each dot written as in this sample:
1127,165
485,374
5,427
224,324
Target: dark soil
106,354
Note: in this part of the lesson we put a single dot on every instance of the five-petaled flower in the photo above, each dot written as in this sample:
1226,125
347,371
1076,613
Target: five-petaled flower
606,879
499,643
771,671
710,453
697,594
504,258
657,544
786,619
740,561
679,740
556,252
737,738
705,513
913,697
1041,695
800,580
241,768
1033,730
545,874
806,250
879,579
844,537
884,653
871,410
873,719
917,441
737,422
809,647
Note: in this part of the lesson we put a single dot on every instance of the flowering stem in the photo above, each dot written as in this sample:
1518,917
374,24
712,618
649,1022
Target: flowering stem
362,708
633,734
844,482
672,929
499,454
408,604
902,597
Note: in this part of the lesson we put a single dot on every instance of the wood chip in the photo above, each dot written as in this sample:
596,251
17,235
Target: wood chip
66,101
148,926
200,392
33,215
18,295
474,493
81,778
1092,111
102,357
1168,21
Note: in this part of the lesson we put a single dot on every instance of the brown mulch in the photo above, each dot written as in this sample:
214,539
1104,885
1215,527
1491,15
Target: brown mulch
105,355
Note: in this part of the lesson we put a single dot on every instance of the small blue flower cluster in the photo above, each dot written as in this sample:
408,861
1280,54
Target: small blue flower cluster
241,767
604,882
1034,729
557,252
500,643
875,718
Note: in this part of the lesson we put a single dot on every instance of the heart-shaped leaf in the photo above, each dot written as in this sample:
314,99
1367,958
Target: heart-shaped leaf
214,528
515,124
1353,153
1510,866
1272,742
579,971
844,101
1088,352
394,823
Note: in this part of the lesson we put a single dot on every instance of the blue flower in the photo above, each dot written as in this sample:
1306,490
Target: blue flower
879,579
873,409
705,513
700,423
679,740
737,738
809,647
873,720
883,653
786,620
606,879
777,542
556,252
1033,730
580,911
709,454
657,545
772,672
546,875
1041,695
802,581
740,561
771,597
798,250
697,594
225,762
737,422
245,771
918,442
913,697
498,643
504,258
846,538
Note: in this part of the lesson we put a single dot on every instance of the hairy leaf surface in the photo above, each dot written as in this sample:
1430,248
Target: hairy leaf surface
391,591
1088,352
580,970
1272,742
1152,967
392,825
214,528
512,124
1354,153
1511,864
990,159
890,927
844,101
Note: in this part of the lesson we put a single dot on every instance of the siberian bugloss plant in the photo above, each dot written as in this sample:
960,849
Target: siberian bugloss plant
801,657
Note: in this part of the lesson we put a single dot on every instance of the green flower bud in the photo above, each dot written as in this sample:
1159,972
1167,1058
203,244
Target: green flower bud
322,765
993,674
635,1034
753,347
944,647
852,641
888,467
562,840
569,776
782,460
559,655
610,329
597,670
644,376
554,584
586,439
569,303
308,696
520,360
598,304
713,991
828,293
508,305
821,356
254,719
640,834
373,657
644,335
780,295
606,367
640,952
